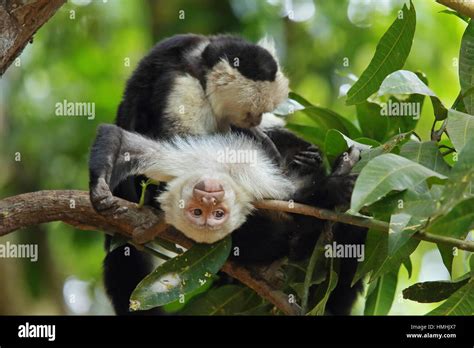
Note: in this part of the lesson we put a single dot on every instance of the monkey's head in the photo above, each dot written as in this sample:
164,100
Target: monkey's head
244,80
204,207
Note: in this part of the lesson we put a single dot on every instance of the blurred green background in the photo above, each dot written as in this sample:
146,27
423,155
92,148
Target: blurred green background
86,52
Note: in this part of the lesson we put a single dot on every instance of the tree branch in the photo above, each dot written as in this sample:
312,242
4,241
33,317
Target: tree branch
19,21
144,224
382,226
465,7
74,208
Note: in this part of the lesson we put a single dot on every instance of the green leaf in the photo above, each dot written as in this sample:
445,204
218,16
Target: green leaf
224,300
408,266
288,107
165,244
457,222
402,227
471,264
404,82
336,143
324,117
425,153
316,270
375,252
420,201
394,260
389,146
371,121
447,256
435,291
390,55
387,173
460,184
377,260
459,303
325,289
466,66
180,275
460,128
314,135
381,298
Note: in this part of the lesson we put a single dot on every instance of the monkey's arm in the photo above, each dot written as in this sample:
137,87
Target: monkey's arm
115,155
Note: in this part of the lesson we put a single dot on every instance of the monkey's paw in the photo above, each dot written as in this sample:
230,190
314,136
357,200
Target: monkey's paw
307,161
103,200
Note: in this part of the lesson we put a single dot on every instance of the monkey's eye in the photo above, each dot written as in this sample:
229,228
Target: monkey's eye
218,214
197,212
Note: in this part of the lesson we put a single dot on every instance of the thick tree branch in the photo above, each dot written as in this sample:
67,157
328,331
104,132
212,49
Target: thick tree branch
19,21
465,7
74,208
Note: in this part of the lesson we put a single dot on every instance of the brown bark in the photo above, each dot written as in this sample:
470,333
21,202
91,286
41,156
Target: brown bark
19,21
465,7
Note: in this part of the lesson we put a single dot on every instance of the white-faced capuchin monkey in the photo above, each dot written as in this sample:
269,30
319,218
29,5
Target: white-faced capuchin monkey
190,85
217,192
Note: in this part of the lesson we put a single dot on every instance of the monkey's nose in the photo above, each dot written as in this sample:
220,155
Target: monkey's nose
209,185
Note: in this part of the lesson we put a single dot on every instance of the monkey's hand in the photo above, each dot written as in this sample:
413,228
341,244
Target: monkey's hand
341,181
307,161
103,200
102,167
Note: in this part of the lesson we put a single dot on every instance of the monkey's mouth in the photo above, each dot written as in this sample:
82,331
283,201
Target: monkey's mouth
207,227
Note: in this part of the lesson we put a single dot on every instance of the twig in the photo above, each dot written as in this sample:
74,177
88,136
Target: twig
376,225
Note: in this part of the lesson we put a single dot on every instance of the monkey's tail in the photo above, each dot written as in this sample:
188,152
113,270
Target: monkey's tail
124,268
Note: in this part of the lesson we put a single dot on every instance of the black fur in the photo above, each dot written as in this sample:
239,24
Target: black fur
252,61
142,110
144,101
261,239
264,238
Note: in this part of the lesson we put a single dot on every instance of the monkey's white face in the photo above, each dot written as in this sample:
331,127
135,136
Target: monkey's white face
204,207
240,100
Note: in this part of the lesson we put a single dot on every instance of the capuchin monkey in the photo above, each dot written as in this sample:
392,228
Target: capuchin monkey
194,84
217,195
190,85
216,191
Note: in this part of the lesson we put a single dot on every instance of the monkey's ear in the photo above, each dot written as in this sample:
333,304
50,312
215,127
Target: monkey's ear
268,43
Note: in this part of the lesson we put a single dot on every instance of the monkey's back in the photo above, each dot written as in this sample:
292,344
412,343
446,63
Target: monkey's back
147,90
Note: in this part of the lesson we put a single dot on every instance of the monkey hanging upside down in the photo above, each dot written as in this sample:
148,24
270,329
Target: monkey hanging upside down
207,197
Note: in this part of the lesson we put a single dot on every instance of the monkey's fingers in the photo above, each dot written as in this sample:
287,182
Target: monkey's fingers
310,161
104,202
314,155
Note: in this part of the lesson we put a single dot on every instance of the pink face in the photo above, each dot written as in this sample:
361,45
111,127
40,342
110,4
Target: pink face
206,207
